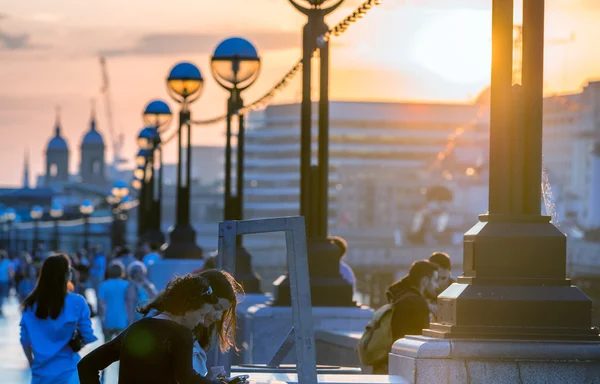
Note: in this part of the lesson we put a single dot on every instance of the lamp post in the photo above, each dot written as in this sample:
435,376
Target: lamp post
119,204
184,84
56,212
514,284
3,235
36,214
149,140
328,287
86,209
235,66
10,215
141,174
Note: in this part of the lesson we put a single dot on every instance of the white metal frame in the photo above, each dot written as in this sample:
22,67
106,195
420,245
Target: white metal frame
297,261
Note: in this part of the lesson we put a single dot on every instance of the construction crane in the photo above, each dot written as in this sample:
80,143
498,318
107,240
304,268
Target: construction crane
116,141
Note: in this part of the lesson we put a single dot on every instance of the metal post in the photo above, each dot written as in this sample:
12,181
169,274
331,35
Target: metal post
514,284
227,214
56,245
3,235
500,105
183,196
323,190
86,232
323,254
10,240
533,82
188,173
182,238
239,206
35,236
308,43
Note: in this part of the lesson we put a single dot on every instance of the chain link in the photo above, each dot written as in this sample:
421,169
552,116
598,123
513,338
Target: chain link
264,100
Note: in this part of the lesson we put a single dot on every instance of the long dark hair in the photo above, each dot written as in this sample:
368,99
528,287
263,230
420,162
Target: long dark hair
188,293
51,288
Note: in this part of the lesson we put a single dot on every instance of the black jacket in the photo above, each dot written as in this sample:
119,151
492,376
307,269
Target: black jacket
410,310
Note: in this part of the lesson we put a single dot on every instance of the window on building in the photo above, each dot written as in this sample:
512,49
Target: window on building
53,170
96,167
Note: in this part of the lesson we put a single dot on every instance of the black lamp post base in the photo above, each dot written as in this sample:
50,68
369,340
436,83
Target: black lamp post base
244,273
514,286
182,244
327,287
153,236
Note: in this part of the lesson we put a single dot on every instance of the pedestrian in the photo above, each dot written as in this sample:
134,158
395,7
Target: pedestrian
126,257
151,253
445,279
345,270
97,270
5,275
409,297
29,277
140,290
407,313
158,349
112,295
54,325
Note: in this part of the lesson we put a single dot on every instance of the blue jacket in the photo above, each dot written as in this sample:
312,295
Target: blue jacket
53,360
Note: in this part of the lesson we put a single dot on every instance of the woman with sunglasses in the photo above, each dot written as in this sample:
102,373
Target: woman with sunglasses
158,348
50,320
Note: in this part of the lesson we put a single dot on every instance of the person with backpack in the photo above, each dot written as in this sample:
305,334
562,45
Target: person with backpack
407,313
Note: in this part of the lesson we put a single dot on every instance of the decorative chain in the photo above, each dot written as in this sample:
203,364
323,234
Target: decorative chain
264,100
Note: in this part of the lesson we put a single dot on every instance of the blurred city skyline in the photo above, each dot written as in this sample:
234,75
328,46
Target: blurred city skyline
426,50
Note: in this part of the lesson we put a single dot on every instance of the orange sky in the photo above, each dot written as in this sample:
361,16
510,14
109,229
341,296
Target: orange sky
49,56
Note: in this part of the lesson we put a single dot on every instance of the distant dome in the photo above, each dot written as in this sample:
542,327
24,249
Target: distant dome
93,137
57,143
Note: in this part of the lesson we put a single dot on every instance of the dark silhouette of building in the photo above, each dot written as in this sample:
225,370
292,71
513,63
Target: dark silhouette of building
57,157
92,155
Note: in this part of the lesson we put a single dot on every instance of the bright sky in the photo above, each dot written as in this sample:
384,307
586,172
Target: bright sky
401,50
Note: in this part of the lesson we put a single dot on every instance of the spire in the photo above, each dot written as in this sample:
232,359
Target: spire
93,115
57,125
26,170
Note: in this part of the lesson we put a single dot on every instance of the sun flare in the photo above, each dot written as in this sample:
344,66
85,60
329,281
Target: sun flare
456,45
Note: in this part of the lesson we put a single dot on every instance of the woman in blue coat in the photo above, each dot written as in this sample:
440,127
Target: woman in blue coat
51,316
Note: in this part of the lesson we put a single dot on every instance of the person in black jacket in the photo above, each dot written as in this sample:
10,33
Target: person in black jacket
409,299
158,349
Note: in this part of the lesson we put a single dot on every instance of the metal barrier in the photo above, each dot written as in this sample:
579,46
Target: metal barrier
297,261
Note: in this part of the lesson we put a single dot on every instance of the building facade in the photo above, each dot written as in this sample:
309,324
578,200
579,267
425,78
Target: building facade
381,156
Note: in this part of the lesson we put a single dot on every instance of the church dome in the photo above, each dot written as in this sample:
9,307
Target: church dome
93,137
57,143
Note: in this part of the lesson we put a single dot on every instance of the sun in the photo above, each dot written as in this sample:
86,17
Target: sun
457,45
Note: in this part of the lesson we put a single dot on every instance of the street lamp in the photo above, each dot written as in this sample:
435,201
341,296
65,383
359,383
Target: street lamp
36,214
2,229
514,284
117,200
157,114
10,215
328,287
149,142
86,209
184,85
56,212
235,66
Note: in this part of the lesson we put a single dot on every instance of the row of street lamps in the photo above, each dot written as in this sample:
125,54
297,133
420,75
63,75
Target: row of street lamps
235,65
9,216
